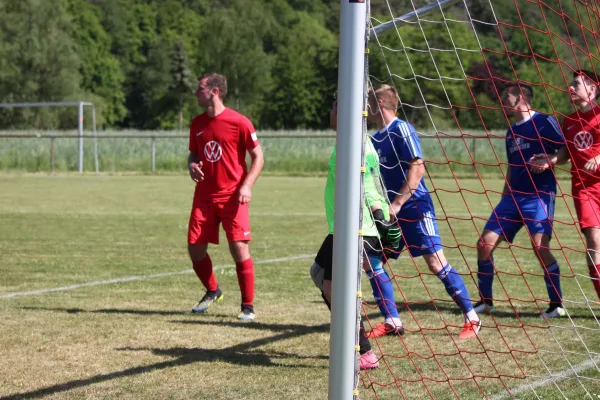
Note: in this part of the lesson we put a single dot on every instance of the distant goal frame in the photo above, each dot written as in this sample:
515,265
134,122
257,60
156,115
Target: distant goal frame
80,108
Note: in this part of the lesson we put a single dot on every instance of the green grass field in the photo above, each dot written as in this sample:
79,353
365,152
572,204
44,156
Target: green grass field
119,325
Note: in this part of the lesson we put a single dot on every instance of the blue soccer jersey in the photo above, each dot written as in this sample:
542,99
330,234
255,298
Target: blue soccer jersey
538,135
397,145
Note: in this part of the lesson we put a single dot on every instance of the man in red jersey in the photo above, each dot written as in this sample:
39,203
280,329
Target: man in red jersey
219,140
582,134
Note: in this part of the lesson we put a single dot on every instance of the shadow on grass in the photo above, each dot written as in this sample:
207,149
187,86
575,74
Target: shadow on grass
244,354
107,311
295,329
503,310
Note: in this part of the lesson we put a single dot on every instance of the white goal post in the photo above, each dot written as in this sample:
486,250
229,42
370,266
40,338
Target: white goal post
79,105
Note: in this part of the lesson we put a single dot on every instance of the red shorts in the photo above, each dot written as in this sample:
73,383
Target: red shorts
208,214
587,205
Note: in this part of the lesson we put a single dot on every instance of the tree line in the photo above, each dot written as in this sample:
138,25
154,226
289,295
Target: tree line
138,60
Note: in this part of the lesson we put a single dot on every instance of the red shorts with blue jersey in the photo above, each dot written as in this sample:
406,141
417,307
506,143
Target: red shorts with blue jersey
587,204
534,211
207,215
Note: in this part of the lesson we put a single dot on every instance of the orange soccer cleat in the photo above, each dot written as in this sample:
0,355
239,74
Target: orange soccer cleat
470,330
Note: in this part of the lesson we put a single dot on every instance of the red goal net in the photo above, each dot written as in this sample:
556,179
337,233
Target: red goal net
451,68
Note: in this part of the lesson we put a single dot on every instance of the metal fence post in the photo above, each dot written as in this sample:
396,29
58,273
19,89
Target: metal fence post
80,133
96,166
153,163
51,154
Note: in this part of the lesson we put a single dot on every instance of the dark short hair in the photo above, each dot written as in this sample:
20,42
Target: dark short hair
590,77
214,80
523,88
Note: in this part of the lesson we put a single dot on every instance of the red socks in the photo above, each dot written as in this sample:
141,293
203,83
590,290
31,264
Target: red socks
595,275
204,270
245,274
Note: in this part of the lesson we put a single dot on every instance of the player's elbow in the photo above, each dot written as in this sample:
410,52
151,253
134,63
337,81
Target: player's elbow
417,169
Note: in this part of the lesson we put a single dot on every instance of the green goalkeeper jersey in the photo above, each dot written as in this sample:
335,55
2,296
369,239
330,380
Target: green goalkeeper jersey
372,188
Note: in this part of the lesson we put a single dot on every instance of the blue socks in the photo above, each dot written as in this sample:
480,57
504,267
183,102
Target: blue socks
455,286
552,279
485,279
383,290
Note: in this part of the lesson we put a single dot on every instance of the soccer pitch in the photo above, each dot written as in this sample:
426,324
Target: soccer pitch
96,292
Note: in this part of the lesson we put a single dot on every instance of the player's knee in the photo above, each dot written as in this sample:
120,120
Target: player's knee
484,249
375,263
240,250
317,273
595,242
196,252
435,261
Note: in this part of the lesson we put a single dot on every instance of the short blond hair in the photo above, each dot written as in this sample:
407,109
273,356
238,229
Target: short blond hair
388,95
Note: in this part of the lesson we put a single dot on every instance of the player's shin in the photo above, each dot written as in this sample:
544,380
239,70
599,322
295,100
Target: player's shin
552,279
455,286
204,271
245,274
383,290
595,276
363,342
485,279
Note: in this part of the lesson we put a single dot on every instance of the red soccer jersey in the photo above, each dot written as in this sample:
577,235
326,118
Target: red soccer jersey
582,132
221,143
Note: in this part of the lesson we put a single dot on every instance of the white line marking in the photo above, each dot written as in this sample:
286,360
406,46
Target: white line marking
542,381
140,278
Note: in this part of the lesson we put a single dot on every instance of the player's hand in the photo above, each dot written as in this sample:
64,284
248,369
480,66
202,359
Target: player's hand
592,165
389,231
196,171
539,163
245,194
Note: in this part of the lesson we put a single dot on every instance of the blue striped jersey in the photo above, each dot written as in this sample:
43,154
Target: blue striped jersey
397,144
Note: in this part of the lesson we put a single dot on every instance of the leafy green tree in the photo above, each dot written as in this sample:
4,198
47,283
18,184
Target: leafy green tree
233,45
177,100
40,61
184,82
304,74
100,70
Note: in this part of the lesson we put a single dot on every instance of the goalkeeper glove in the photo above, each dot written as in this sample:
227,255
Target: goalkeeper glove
388,231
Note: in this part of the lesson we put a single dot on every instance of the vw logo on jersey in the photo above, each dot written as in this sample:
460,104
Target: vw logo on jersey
213,151
583,140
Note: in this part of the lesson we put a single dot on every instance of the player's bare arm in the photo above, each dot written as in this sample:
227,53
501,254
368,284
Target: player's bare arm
542,162
413,177
245,193
506,188
195,167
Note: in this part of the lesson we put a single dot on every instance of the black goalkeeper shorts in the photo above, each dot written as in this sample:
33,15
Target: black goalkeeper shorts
371,246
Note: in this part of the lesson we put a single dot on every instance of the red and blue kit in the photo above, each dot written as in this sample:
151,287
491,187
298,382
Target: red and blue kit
582,133
221,144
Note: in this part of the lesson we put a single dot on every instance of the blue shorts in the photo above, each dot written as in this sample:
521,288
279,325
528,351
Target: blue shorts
420,233
513,212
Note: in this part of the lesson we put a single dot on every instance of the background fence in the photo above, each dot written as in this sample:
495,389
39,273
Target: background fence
286,152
